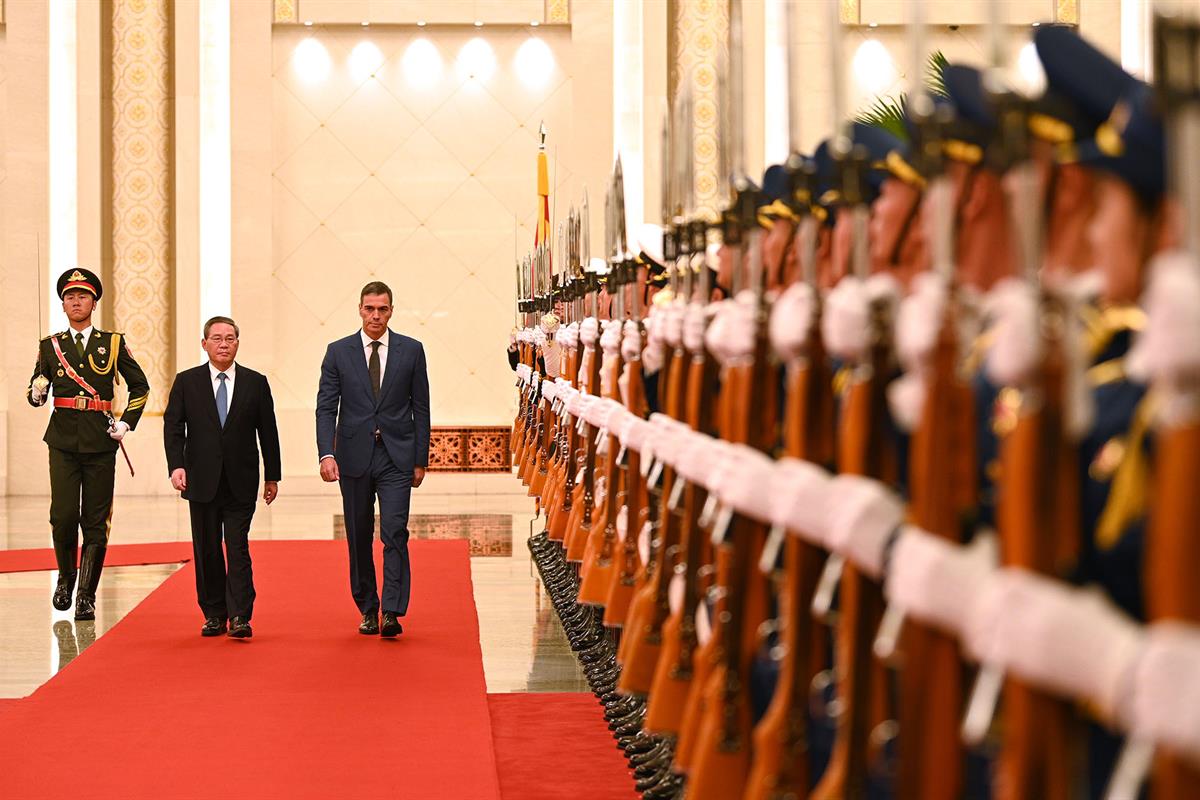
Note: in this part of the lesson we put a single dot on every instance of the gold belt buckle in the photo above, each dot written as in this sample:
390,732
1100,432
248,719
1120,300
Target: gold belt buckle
81,403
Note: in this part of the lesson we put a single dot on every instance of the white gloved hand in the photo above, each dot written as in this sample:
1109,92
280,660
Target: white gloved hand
39,388
118,430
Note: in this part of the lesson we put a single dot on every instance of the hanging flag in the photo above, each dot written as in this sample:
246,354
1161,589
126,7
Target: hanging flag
542,231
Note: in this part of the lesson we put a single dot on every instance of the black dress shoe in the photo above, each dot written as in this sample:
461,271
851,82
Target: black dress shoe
391,626
239,628
369,625
213,626
85,606
62,591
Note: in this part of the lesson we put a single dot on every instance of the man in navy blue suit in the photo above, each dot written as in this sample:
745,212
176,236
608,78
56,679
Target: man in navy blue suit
373,438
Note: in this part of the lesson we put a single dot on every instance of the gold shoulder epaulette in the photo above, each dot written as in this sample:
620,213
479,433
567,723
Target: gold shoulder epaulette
49,337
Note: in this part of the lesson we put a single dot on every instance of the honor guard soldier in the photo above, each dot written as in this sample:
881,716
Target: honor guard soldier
80,368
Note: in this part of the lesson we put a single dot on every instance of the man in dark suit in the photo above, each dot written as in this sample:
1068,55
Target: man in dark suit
374,395
215,412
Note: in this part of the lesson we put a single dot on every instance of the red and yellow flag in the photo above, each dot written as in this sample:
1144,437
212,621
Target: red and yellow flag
542,232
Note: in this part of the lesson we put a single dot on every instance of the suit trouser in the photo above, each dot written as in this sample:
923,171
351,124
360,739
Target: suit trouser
81,495
222,592
393,486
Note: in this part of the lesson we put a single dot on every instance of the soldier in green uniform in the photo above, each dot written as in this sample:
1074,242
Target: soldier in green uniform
80,368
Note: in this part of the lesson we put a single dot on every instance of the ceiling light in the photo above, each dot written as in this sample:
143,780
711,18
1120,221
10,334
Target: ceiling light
478,24
366,24
534,24
308,23
420,23
873,25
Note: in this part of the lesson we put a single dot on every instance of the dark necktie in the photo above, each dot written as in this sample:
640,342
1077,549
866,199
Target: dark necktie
79,344
373,368
222,398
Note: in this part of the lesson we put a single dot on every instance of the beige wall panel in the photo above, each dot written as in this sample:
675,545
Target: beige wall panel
398,155
26,218
7,377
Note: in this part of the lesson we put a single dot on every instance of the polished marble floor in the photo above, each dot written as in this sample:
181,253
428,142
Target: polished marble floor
524,648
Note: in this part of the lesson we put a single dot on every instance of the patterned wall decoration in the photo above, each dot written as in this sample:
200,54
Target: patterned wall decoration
558,11
701,34
409,156
487,535
142,189
1066,12
286,11
470,449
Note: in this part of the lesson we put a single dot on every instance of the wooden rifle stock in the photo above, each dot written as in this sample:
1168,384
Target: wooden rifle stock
1038,504
781,765
561,510
724,746
578,530
650,606
676,665
1172,591
624,578
864,448
600,548
932,675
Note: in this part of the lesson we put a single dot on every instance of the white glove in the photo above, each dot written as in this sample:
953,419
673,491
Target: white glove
512,339
38,389
118,430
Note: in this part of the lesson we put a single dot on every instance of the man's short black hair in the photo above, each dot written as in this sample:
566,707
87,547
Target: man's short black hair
375,287
219,320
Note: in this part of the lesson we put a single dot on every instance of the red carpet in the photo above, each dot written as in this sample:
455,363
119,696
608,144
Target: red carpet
118,555
556,747
306,709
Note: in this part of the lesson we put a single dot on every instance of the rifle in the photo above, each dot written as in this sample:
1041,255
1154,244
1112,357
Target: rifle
1171,538
1038,504
598,561
942,494
721,763
781,760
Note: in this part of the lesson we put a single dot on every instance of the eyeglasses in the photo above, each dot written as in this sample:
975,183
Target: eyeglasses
225,339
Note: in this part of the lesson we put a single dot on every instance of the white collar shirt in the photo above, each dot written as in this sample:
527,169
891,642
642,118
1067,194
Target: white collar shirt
230,379
383,350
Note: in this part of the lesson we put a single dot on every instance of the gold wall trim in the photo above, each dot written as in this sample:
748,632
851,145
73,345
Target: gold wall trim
1066,12
142,187
287,11
850,12
558,12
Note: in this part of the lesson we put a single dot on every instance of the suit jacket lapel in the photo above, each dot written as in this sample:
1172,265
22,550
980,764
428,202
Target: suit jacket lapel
357,355
239,396
393,365
207,395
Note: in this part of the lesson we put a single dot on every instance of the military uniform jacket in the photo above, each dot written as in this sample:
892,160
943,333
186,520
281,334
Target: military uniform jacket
106,356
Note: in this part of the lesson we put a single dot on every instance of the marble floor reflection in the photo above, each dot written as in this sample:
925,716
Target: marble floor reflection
524,647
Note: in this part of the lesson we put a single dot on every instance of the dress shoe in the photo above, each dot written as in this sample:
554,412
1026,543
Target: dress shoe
369,625
85,605
391,626
62,591
239,628
213,626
